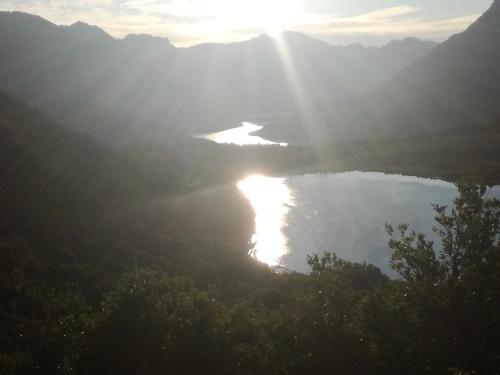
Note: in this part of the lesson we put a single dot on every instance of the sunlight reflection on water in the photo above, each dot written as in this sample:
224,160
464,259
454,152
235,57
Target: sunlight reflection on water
271,199
240,136
296,216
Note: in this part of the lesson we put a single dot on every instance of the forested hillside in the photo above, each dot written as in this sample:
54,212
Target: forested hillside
133,262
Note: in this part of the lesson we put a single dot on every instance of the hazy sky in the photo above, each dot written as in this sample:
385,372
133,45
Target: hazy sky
187,22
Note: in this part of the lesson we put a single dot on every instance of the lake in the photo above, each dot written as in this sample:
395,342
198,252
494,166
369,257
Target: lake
241,136
343,213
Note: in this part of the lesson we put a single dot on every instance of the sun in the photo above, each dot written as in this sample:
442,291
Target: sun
269,16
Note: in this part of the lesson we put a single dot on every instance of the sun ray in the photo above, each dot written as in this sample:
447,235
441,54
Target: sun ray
310,115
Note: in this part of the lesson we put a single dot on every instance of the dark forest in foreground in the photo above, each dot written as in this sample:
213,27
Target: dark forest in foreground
135,262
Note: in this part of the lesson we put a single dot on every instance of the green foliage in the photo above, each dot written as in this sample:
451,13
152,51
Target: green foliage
455,293
136,262
152,324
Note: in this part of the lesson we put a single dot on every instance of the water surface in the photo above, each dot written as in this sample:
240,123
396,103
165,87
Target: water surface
343,213
241,136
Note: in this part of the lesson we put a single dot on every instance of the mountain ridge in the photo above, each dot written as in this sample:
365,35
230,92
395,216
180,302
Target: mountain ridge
144,87
82,25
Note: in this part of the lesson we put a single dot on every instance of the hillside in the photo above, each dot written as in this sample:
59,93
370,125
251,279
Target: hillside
453,89
116,263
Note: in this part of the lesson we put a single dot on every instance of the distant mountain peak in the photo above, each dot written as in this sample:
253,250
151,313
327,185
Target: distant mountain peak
259,40
88,33
263,37
410,42
146,37
297,35
79,24
147,40
292,33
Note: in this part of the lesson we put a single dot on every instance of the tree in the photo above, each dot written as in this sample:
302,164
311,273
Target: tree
455,288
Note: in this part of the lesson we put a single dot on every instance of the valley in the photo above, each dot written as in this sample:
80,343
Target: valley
272,205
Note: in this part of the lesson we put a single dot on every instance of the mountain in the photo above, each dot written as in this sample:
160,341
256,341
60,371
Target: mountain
48,176
454,88
88,33
143,88
79,76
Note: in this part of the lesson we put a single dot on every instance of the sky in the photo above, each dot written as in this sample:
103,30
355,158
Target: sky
189,22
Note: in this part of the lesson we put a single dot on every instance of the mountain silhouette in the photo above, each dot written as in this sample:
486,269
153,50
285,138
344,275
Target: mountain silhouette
143,88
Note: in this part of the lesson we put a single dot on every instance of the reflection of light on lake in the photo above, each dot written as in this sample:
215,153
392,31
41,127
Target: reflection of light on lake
240,136
271,199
